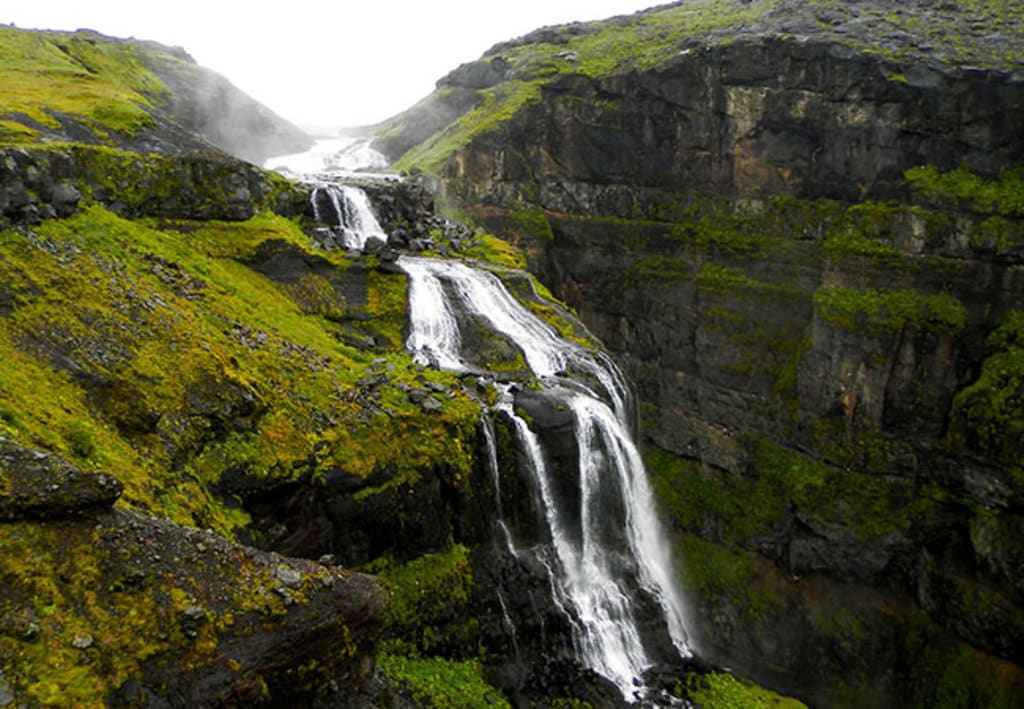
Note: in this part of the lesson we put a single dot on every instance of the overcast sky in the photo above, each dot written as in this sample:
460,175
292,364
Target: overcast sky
336,62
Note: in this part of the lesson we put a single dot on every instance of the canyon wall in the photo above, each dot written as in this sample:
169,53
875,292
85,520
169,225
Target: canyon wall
804,245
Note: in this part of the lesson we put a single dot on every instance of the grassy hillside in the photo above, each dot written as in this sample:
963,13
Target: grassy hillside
975,33
47,77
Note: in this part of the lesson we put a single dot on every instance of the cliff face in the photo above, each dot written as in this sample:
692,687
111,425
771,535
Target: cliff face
800,230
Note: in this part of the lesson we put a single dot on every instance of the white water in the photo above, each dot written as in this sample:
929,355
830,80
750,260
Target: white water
435,339
330,157
349,214
614,542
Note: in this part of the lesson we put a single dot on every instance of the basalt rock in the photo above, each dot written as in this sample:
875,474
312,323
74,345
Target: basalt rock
48,183
39,485
814,319
163,614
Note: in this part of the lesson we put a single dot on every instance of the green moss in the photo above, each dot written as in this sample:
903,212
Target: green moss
865,229
74,626
889,310
655,270
533,222
427,594
870,506
987,414
707,569
723,280
999,234
693,499
962,188
179,327
436,682
721,691
81,439
948,675
495,250
714,225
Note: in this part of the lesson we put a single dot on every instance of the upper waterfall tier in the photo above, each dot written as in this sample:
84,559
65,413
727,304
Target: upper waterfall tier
441,290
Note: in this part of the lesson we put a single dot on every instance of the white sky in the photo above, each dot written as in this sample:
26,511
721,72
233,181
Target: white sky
327,63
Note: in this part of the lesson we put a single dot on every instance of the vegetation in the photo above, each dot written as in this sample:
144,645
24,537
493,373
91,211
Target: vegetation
48,77
135,302
961,188
721,691
987,414
428,599
889,310
447,684
952,36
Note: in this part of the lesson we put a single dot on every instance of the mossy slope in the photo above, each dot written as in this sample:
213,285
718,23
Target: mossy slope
85,87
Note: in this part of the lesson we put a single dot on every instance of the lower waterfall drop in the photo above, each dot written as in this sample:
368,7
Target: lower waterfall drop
605,547
346,211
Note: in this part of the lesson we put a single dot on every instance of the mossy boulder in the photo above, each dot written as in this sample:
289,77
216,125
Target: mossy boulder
100,606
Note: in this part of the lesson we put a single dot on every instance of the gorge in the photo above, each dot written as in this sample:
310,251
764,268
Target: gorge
254,452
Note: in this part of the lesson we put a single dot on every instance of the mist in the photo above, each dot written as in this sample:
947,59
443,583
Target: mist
323,65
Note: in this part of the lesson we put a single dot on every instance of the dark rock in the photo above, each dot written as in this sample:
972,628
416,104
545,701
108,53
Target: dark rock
38,485
373,246
398,239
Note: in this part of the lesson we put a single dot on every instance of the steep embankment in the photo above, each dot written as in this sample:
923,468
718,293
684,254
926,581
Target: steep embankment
182,350
799,226
160,374
88,88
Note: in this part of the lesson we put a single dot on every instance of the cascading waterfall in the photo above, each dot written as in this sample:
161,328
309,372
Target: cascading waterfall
346,210
613,542
435,337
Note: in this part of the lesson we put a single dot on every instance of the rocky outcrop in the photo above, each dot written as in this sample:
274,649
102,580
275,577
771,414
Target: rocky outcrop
161,613
43,183
801,238
36,485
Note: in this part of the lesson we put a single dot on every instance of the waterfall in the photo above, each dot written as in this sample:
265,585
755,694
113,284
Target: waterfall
434,285
346,210
609,546
344,156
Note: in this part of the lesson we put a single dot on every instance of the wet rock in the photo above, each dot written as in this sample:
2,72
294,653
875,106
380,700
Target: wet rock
41,485
373,246
431,405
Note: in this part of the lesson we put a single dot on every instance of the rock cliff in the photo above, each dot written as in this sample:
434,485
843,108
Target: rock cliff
799,226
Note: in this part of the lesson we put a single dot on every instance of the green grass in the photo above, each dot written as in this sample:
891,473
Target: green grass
717,690
98,81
